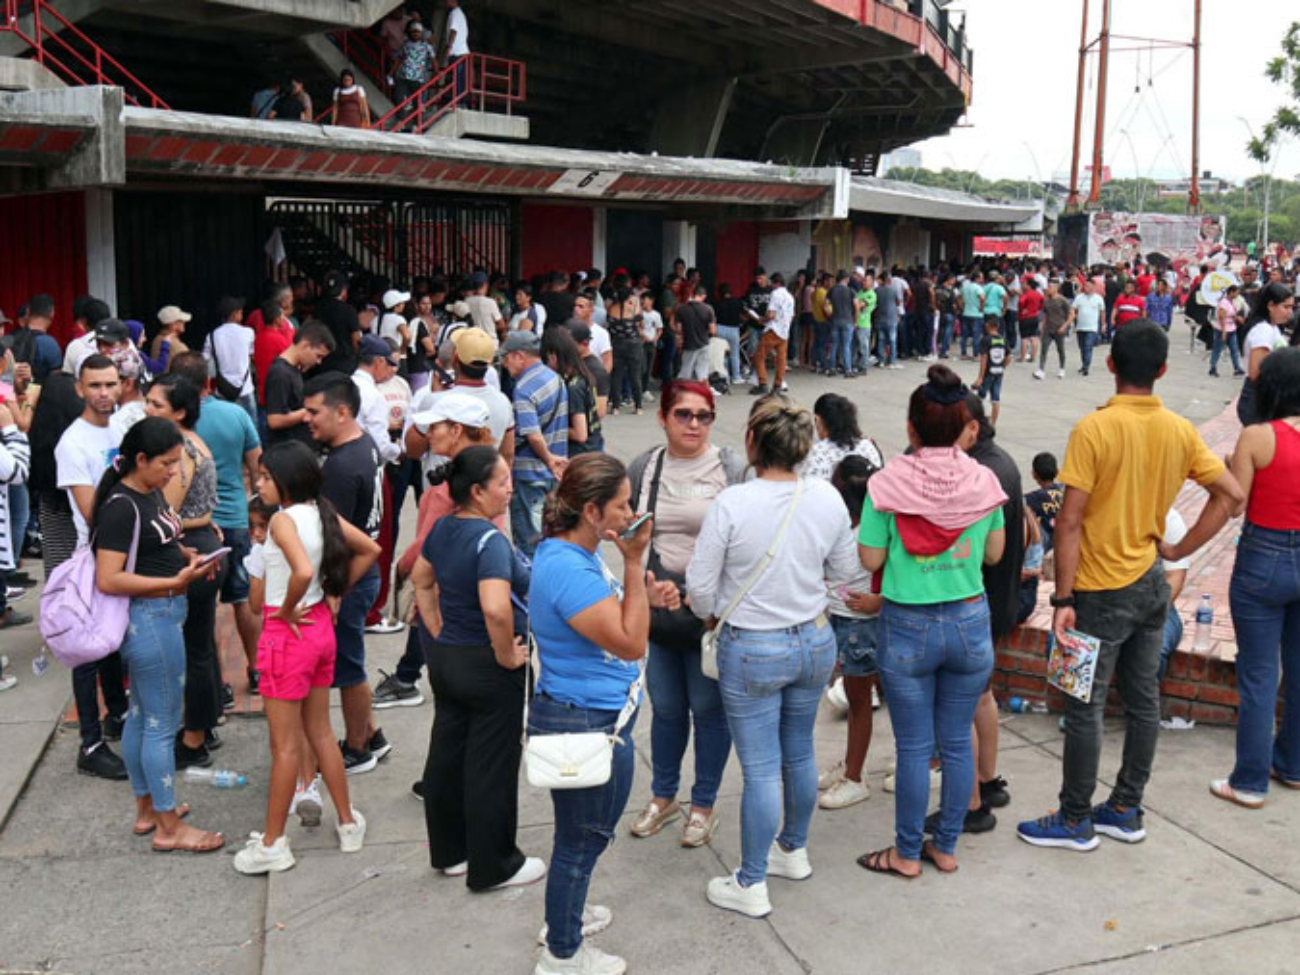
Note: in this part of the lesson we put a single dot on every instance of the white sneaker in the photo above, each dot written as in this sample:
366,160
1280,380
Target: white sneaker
595,919
532,871
456,869
936,779
1060,374
843,794
728,894
256,858
588,960
875,698
353,834
785,387
830,776
1038,374
9,682
790,864
386,625
307,805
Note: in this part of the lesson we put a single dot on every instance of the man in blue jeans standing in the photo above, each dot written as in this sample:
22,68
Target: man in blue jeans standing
541,405
354,484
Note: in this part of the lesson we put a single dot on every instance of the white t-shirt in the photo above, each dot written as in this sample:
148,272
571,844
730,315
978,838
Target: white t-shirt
233,355
1262,335
388,329
456,21
82,455
651,323
781,306
484,313
373,417
736,533
126,417
78,349
1175,532
1088,310
600,343
397,395
501,414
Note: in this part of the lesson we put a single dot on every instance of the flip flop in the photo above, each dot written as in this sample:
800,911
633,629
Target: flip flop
1223,789
205,842
182,811
1278,777
882,861
927,854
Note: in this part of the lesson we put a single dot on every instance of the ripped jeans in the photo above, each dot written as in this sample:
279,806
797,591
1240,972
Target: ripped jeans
585,819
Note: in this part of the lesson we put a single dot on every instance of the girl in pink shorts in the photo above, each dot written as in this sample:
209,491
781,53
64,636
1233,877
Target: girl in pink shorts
310,556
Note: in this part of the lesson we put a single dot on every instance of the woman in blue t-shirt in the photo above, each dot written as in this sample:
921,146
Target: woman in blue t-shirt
590,633
476,666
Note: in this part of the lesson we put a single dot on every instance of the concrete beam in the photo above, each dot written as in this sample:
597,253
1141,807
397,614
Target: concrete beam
23,74
285,17
98,159
463,123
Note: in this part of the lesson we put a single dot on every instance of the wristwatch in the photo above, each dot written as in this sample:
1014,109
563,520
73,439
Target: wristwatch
1062,602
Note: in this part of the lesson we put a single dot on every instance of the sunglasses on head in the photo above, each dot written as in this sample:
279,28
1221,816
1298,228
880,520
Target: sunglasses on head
703,417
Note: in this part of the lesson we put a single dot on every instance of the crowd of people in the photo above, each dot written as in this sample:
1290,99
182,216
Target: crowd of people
265,465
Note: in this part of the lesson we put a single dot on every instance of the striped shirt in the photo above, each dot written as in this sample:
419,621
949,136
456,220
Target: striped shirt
541,406
14,460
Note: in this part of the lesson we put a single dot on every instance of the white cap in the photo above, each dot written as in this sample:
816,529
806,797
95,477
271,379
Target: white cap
393,297
456,408
859,270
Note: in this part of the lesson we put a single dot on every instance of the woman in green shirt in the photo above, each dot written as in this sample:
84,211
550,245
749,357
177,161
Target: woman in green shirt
932,518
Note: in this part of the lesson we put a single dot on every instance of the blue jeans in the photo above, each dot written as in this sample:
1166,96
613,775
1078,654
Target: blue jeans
935,662
585,819
888,342
771,682
679,692
350,630
842,353
1086,341
861,348
945,333
526,513
823,356
731,334
19,511
1173,636
972,327
154,653
1220,342
1265,599
249,405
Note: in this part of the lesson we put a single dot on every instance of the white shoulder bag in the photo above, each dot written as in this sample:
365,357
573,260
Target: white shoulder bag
709,641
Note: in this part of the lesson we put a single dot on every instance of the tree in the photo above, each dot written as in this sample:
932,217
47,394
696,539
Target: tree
1283,70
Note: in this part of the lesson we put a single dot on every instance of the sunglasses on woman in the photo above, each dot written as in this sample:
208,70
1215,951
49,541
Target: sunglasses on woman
703,417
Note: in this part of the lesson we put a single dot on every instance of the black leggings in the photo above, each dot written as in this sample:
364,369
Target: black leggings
628,362
202,667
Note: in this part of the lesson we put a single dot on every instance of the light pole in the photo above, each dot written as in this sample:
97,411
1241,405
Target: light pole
1268,185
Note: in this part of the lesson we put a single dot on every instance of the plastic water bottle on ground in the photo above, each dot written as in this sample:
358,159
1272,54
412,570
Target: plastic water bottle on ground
217,778
1203,640
1018,705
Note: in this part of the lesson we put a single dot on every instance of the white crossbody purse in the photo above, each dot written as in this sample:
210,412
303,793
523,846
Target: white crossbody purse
709,641
575,759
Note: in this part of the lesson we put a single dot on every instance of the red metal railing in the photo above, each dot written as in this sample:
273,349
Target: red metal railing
367,54
51,38
476,81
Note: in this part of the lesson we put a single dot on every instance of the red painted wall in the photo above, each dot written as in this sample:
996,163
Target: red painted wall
555,237
737,253
44,251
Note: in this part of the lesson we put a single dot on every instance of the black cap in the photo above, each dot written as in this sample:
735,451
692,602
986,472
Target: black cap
112,331
335,283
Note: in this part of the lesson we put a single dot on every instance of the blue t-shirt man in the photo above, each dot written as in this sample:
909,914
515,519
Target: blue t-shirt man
541,403
464,552
229,433
995,297
568,579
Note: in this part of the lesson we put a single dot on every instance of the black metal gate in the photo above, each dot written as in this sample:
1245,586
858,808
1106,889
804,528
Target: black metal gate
398,240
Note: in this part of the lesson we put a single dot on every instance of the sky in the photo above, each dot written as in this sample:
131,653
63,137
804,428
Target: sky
1021,117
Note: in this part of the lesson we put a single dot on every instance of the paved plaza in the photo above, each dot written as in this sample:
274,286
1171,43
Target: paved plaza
1213,888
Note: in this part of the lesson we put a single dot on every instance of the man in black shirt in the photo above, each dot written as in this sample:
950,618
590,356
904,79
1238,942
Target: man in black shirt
354,485
341,319
697,324
285,417
557,300
757,315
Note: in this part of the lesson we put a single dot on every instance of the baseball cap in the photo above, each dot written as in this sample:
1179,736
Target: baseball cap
478,279
4,319
474,346
459,310
454,407
393,297
522,342
171,314
374,347
335,282
112,331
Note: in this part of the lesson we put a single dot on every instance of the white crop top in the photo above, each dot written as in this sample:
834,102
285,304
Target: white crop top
306,519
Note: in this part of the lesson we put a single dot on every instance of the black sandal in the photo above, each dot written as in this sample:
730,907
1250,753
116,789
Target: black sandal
882,861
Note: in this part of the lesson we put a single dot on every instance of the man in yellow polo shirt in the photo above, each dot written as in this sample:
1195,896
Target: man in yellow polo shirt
1124,465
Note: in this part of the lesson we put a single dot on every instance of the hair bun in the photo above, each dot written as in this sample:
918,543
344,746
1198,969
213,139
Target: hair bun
942,376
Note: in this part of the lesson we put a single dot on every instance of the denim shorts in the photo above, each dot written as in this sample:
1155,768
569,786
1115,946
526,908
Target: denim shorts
992,388
234,588
856,640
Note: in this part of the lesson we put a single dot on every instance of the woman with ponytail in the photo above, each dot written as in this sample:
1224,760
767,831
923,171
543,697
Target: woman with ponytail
933,518
776,648
129,513
311,555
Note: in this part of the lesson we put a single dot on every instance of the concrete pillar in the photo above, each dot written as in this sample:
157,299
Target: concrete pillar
101,254
690,121
599,223
679,241
794,143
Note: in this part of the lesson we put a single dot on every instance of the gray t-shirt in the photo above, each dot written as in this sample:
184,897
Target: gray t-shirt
887,303
841,299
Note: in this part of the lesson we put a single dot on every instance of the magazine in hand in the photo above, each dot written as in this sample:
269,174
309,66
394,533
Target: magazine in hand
1073,663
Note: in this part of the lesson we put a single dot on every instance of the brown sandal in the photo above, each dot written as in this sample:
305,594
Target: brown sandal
182,811
190,839
927,854
882,861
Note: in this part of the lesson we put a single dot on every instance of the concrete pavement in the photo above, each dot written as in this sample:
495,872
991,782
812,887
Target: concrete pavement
1213,886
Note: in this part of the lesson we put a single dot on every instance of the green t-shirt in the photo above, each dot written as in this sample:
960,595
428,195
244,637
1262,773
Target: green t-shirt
924,580
868,298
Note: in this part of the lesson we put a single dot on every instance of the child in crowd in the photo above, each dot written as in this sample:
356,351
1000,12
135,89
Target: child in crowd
854,605
310,555
1045,503
993,363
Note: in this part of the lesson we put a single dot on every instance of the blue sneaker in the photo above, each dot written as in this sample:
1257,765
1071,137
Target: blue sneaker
1123,826
1053,830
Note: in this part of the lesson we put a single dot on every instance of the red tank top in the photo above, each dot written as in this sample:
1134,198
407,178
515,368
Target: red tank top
1275,493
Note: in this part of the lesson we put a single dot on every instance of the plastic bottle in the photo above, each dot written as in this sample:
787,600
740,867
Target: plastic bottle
1018,705
1204,640
218,778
